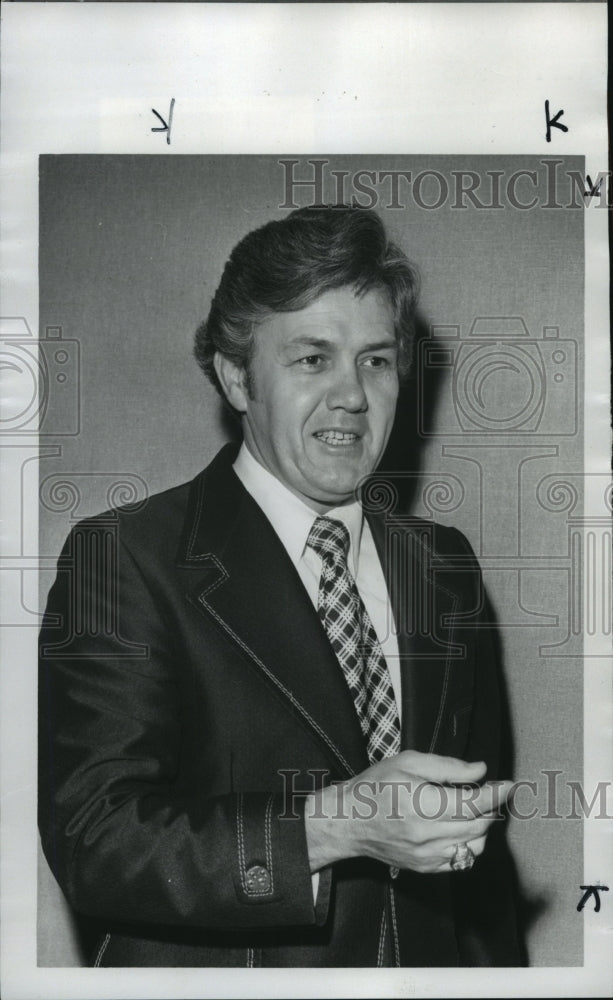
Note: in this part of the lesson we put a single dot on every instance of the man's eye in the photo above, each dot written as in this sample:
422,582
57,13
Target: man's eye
311,361
377,362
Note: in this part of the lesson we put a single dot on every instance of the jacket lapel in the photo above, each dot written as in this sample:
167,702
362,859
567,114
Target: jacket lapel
424,615
240,576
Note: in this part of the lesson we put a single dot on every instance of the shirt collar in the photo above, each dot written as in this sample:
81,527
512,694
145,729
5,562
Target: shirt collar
290,516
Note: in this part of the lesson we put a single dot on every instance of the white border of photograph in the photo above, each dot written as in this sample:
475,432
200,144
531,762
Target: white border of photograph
292,79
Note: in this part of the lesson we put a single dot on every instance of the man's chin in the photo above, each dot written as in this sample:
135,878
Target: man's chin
335,494
336,482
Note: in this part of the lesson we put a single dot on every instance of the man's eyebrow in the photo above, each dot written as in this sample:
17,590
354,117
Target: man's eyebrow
382,345
323,344
306,341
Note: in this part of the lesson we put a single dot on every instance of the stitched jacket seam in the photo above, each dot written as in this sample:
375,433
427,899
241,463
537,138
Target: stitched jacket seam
445,688
277,682
102,950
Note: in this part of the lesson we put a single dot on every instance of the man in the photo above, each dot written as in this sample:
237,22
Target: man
240,679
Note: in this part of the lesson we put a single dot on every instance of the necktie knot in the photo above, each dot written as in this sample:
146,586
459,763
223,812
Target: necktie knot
330,539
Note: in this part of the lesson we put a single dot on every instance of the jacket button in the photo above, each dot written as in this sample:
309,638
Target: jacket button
257,879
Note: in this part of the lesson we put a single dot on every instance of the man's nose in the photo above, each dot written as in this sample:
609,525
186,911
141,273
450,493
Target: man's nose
347,391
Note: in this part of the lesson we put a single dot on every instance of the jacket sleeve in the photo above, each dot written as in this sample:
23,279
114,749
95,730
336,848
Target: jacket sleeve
485,898
123,838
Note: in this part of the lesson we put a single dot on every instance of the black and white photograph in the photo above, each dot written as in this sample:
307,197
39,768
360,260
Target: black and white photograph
314,558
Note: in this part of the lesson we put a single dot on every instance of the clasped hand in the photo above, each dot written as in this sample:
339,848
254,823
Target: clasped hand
408,811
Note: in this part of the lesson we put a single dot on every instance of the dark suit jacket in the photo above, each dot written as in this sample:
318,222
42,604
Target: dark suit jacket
186,683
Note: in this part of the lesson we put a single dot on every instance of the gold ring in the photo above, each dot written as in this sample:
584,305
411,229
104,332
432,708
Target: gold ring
462,859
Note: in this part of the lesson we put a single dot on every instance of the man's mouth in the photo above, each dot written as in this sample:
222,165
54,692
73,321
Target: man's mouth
337,439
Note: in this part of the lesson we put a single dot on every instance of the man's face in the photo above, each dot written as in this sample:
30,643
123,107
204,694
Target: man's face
324,383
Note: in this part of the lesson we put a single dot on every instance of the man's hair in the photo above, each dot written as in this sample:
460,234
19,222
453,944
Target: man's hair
286,264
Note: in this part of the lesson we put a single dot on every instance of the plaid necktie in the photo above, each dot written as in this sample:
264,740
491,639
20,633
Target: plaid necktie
354,640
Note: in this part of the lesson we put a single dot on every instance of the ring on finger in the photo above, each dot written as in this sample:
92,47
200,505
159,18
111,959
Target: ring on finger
462,858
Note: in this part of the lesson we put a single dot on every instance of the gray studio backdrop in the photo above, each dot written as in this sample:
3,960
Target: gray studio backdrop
131,250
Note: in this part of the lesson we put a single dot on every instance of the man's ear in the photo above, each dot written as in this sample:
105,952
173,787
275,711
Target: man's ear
233,381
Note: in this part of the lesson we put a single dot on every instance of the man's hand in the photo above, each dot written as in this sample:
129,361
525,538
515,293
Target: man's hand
408,811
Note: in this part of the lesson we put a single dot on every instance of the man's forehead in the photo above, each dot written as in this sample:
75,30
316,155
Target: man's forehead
336,313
